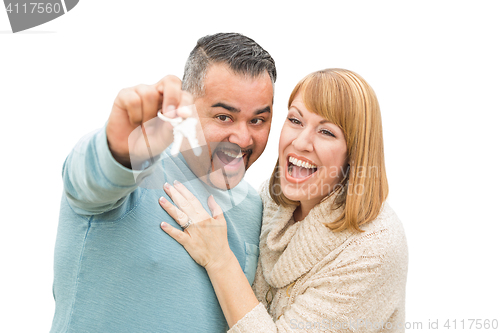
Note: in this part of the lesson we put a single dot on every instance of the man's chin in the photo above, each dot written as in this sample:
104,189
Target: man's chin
224,181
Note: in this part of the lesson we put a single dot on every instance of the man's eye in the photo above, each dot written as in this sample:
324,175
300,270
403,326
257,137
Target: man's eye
223,118
257,121
294,121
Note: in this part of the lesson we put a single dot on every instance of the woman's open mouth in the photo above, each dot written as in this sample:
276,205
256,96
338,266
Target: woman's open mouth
299,170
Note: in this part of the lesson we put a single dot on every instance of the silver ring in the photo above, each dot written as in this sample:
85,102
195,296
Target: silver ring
185,226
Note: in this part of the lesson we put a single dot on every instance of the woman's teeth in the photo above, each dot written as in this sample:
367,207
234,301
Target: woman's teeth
302,164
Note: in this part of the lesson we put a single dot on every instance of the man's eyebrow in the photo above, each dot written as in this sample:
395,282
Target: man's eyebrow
264,110
225,106
229,108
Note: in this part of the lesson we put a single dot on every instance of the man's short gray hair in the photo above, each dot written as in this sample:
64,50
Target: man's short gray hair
242,54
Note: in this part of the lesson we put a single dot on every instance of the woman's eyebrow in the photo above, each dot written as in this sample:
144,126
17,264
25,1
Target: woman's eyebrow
300,113
321,122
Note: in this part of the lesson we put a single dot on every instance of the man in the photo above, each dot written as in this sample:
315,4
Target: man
115,269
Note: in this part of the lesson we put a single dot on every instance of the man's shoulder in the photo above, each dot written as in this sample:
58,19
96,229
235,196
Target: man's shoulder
251,190
249,195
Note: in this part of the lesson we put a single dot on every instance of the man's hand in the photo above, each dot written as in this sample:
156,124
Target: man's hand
133,130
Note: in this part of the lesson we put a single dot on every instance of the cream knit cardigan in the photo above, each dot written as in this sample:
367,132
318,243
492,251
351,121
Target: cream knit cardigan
317,280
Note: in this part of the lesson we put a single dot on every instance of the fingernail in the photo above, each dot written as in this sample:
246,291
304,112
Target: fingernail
185,111
163,200
164,224
167,186
170,111
176,182
210,203
169,114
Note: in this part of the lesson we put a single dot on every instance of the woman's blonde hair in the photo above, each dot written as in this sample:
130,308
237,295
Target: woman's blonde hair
345,98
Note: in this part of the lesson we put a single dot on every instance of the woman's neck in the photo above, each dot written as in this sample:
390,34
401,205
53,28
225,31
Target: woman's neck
302,210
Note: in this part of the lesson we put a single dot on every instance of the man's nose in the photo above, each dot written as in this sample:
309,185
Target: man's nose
241,136
304,140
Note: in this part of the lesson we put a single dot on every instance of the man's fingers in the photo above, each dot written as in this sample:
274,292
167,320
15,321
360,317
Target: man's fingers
186,107
150,101
170,112
176,103
170,88
130,101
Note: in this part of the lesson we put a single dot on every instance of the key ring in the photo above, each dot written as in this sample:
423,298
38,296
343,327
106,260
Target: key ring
183,128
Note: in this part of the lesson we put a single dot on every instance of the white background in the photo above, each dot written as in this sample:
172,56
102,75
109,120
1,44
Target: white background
433,64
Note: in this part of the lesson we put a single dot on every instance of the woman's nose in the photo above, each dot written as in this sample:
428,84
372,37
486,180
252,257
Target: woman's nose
303,141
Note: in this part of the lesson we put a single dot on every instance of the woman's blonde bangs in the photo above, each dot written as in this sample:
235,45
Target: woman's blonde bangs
319,95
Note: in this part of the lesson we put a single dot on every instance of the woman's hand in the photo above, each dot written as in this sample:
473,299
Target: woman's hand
205,239
206,242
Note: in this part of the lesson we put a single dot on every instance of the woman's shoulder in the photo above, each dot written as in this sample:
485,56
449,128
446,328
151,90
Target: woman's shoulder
267,201
264,189
380,248
386,222
383,237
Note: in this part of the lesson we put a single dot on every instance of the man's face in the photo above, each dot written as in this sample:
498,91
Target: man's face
235,115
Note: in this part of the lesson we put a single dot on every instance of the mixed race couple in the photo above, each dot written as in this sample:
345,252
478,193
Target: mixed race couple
154,241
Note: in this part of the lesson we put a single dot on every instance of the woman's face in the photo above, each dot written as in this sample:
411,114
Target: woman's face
312,155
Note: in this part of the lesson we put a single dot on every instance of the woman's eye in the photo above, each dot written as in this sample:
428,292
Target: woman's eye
327,132
294,121
223,118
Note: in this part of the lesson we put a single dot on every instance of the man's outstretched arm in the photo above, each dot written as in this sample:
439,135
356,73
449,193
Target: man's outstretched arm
98,174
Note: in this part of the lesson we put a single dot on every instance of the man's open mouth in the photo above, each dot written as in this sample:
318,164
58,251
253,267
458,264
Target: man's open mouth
300,169
230,157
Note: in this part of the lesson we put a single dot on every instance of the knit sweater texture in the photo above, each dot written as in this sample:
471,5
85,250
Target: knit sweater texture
312,279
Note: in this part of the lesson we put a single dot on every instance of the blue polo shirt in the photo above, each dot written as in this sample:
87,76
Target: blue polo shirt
115,270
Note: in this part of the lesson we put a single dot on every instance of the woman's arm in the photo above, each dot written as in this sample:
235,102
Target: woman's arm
233,291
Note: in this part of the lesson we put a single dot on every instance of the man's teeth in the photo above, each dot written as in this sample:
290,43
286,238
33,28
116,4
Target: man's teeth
302,164
240,155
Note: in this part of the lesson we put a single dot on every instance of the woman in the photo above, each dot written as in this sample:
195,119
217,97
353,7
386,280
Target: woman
333,254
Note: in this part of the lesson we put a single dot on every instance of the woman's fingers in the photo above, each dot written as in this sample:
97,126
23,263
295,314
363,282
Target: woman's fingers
205,242
186,201
184,191
177,197
179,216
214,207
176,234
